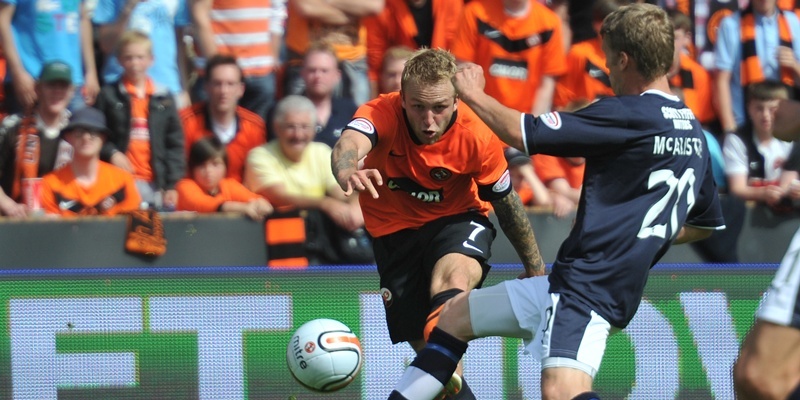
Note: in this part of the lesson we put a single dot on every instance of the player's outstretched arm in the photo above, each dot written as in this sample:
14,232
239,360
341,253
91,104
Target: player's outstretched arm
350,148
503,121
787,125
691,234
517,227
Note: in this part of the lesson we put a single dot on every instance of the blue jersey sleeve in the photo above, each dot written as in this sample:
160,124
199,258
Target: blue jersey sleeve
706,212
593,131
106,11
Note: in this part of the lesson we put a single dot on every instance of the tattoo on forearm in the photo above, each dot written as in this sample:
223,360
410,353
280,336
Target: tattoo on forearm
343,160
517,227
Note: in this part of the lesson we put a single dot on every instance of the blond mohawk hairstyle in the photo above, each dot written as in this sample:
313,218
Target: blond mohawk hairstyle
429,66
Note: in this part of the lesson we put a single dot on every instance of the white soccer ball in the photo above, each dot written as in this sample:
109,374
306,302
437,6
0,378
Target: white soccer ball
324,355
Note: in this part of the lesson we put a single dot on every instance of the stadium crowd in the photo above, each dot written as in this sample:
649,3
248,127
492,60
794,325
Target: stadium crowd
235,105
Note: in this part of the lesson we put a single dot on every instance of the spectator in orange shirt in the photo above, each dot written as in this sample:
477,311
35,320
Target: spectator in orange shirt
413,24
531,190
394,59
563,176
237,128
208,190
146,138
586,77
690,76
519,45
339,24
88,186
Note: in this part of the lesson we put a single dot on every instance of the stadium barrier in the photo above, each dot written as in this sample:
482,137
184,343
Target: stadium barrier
221,333
233,240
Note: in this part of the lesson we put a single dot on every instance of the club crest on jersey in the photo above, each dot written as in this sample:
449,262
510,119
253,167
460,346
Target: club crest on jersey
362,125
387,297
441,174
552,120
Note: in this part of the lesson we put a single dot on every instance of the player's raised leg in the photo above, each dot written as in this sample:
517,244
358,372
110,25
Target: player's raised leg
478,313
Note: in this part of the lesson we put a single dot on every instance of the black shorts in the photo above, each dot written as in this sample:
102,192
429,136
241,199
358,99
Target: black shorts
405,261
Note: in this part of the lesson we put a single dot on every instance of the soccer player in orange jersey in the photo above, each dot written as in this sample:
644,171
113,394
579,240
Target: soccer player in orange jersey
430,167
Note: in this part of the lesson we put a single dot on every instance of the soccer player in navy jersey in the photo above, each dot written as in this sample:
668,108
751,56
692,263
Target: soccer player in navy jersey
648,184
768,366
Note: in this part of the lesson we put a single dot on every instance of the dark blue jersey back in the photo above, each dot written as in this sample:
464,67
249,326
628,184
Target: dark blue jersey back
648,173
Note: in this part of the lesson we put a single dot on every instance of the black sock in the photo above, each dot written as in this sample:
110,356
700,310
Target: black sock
432,368
440,356
587,396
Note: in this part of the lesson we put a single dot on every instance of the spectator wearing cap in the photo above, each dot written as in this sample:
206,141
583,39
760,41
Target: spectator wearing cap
530,189
30,146
33,33
88,186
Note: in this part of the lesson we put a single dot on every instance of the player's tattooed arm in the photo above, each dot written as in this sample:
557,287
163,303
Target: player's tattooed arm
351,147
517,227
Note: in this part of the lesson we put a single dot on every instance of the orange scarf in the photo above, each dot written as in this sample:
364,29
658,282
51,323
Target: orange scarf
751,71
28,149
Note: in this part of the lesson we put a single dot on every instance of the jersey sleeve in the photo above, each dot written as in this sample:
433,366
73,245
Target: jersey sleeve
132,199
707,212
192,198
494,180
734,154
48,197
237,191
375,120
592,131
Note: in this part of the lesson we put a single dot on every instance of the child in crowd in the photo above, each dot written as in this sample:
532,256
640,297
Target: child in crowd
145,138
208,190
754,158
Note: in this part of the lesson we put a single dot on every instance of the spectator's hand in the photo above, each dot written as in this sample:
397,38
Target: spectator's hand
25,90
468,80
340,213
91,87
11,208
786,57
257,209
121,160
263,206
794,190
773,194
361,180
562,206
183,100
170,199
